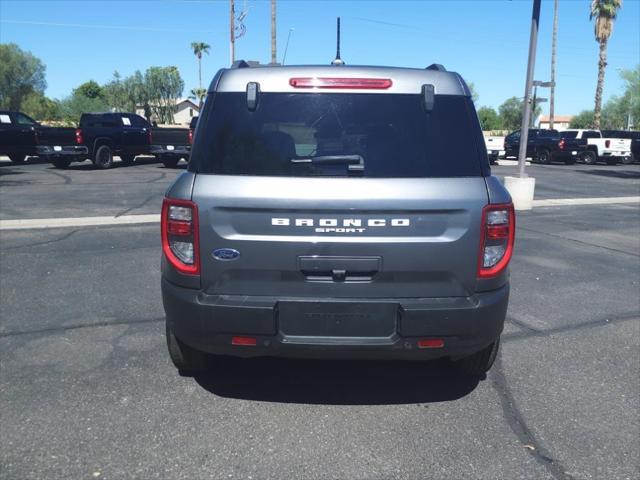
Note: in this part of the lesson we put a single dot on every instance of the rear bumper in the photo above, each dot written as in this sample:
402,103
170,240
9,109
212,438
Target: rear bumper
208,322
70,152
180,151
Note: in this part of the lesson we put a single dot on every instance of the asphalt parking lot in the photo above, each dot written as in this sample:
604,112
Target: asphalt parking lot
88,390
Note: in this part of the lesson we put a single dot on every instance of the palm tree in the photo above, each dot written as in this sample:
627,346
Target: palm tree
604,12
198,49
199,94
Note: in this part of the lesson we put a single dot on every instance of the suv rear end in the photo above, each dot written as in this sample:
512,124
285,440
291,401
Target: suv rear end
337,211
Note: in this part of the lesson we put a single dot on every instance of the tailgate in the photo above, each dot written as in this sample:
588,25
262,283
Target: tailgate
340,237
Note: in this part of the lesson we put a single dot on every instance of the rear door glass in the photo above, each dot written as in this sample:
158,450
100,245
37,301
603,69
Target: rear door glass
294,134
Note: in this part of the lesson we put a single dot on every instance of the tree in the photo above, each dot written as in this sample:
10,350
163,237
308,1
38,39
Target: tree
72,107
584,119
90,89
39,107
604,12
198,94
511,113
163,86
489,119
474,93
21,74
198,49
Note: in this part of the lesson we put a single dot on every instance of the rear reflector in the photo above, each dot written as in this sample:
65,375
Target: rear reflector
431,343
325,82
246,341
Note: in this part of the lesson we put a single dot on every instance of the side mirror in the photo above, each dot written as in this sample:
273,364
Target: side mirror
428,97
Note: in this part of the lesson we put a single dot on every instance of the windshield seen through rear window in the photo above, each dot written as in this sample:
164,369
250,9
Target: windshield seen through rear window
327,134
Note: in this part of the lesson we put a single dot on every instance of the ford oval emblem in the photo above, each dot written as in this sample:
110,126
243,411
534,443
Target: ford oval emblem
225,254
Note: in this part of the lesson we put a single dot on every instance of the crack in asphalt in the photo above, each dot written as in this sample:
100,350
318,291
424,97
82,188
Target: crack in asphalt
78,326
519,427
29,245
135,207
582,242
67,179
523,325
161,177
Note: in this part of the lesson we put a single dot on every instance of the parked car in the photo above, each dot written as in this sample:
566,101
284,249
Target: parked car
544,146
169,145
21,136
109,134
192,128
609,150
632,135
495,148
337,211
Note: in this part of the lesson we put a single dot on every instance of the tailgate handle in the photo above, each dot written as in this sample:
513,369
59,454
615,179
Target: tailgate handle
339,269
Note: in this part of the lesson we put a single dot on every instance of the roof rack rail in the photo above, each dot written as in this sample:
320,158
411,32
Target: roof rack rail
240,64
436,66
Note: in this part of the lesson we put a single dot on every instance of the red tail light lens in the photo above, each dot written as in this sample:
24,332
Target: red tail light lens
79,137
498,230
191,136
179,227
607,143
363,83
561,144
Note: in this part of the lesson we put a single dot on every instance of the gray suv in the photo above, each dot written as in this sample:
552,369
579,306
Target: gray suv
337,212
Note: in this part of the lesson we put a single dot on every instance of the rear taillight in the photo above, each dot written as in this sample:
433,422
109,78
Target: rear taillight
79,137
191,136
179,226
497,239
561,144
607,143
341,82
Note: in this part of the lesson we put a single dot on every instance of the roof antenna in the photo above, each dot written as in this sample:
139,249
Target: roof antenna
338,60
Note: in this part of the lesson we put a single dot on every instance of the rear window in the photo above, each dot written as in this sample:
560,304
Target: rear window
328,134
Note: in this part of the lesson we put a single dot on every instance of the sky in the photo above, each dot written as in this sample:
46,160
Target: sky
485,41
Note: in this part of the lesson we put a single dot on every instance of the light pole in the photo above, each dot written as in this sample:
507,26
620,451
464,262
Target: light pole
284,57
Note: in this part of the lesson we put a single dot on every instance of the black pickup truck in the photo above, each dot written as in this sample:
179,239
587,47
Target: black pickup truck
546,146
114,134
170,145
21,136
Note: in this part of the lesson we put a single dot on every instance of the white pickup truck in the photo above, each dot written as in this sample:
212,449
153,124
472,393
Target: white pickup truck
495,148
609,150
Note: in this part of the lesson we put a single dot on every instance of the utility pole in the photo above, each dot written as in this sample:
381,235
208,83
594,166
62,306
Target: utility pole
232,34
274,56
552,94
524,129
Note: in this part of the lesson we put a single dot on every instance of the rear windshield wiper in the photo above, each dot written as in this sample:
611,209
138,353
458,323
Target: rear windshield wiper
355,163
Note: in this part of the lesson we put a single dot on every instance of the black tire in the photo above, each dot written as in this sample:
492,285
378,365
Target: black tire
17,157
128,159
589,157
627,160
543,156
103,157
493,160
61,163
612,160
187,360
480,362
170,162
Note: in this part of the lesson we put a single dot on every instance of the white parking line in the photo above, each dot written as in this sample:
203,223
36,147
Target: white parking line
33,223
43,223
558,202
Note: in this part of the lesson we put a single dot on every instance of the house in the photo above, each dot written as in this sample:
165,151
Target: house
560,122
185,110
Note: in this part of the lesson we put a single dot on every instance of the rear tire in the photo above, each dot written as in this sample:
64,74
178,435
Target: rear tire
103,158
480,362
187,360
17,157
543,156
61,163
589,157
128,159
627,160
170,162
